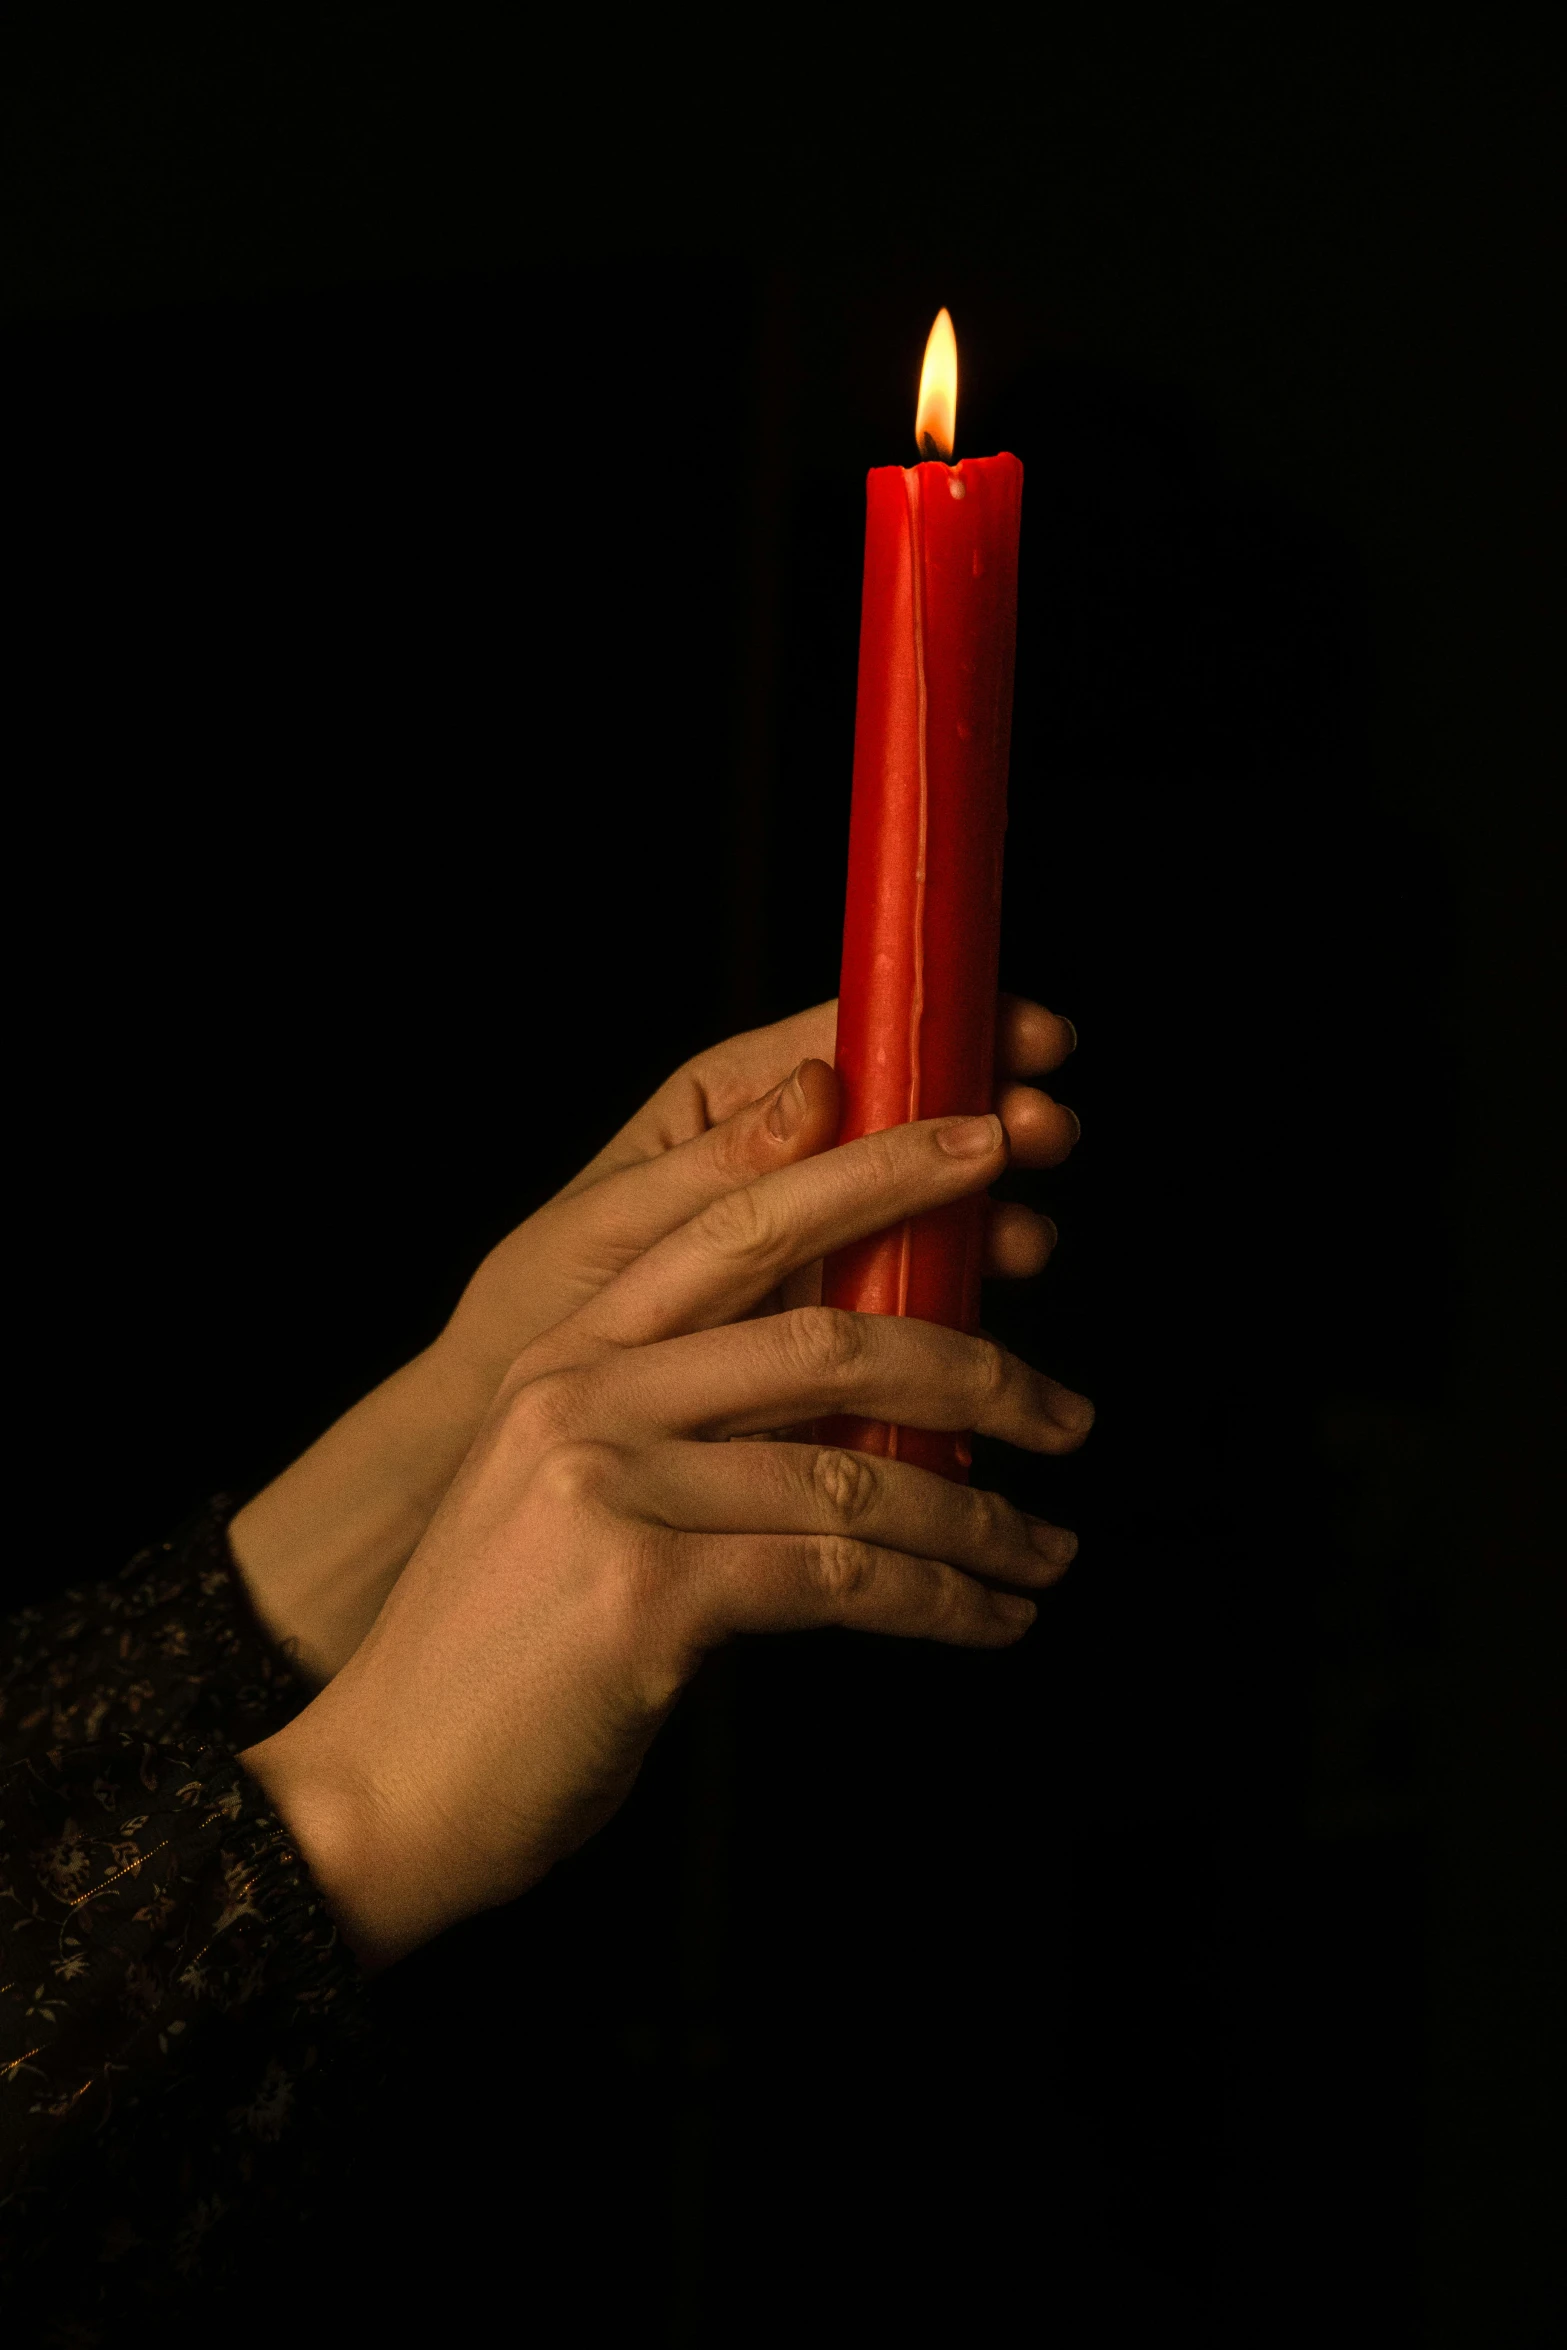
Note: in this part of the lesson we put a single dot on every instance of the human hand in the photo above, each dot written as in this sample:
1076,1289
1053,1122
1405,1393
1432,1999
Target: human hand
759,1101
321,1546
602,1536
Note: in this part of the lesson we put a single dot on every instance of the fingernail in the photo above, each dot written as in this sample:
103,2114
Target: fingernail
1011,1609
787,1109
968,1138
1077,1124
1052,1232
1052,1542
1071,1029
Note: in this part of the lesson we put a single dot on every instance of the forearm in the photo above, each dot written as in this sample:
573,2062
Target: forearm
321,1546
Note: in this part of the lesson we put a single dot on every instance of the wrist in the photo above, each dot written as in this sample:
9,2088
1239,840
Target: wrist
361,1858
322,1545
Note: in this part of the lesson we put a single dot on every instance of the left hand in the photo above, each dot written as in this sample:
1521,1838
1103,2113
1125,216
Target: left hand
758,1101
321,1547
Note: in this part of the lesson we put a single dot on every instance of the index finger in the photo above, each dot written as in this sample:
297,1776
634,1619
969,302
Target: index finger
716,1083
735,1253
749,1378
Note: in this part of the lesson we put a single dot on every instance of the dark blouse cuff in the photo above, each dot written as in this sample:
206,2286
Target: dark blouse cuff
153,1903
174,1999
170,1647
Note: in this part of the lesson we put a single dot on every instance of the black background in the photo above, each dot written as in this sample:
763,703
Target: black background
433,501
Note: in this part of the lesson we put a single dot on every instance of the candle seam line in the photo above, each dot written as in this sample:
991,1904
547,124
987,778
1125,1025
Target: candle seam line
911,481
912,494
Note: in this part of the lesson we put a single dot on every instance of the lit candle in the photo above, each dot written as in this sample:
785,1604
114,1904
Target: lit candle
922,926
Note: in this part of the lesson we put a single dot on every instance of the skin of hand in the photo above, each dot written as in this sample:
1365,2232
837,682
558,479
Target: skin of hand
323,1544
604,1533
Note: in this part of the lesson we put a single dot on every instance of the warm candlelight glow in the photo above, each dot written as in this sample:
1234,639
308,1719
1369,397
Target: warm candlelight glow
936,418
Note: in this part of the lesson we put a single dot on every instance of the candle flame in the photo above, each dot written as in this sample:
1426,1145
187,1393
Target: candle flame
936,417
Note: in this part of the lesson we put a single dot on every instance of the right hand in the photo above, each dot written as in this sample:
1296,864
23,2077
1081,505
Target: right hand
602,1536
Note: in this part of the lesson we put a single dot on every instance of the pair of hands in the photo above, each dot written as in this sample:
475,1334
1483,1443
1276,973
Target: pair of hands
577,1532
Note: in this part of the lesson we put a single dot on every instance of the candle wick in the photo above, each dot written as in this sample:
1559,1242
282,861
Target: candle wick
931,454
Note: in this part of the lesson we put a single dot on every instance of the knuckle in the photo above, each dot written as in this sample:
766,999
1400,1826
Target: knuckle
992,1370
995,1520
738,1225
939,1599
575,1474
846,1483
546,1408
730,1154
702,1075
843,1570
739,1144
826,1340
953,1601
884,1152
881,1161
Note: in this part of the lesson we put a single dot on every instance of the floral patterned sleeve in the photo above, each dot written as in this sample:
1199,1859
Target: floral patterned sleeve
168,1972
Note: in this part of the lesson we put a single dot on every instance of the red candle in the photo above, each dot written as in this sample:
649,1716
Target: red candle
922,926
